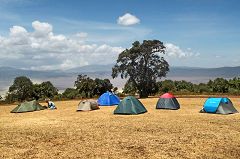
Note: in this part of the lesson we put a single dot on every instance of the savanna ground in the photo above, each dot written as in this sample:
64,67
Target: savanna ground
65,133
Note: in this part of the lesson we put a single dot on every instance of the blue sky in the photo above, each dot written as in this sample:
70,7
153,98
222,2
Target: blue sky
197,33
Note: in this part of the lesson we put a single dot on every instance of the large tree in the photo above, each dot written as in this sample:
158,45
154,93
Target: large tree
183,86
142,64
220,85
129,88
70,93
235,83
167,86
43,90
102,86
22,88
89,87
85,85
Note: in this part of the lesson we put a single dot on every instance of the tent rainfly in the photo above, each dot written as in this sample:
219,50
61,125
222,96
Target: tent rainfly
28,107
108,99
218,106
167,101
130,106
87,105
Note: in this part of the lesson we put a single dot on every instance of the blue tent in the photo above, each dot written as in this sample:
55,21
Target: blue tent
219,106
108,99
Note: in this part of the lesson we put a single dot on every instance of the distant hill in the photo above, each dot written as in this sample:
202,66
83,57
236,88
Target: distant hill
92,68
227,72
65,79
9,73
197,75
207,72
192,74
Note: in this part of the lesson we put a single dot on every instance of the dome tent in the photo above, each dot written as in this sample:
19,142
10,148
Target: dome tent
130,106
218,106
87,105
167,101
28,107
108,99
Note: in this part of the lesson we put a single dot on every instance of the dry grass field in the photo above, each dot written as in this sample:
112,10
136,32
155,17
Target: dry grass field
65,133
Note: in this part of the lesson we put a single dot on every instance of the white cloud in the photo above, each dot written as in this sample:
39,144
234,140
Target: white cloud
128,19
17,36
175,51
41,29
17,30
44,50
82,35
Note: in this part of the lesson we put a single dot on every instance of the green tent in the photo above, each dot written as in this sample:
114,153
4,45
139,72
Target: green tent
28,107
130,105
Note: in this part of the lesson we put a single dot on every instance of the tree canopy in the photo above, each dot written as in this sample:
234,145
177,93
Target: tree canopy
85,85
102,86
89,87
22,88
70,93
142,64
44,90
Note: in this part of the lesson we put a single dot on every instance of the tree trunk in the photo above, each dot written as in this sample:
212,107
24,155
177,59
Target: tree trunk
143,93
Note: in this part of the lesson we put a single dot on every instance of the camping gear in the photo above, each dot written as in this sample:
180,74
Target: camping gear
130,106
167,101
108,99
218,106
28,107
87,105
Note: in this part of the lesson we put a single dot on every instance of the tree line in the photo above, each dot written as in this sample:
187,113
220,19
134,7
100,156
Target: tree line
85,87
216,86
24,89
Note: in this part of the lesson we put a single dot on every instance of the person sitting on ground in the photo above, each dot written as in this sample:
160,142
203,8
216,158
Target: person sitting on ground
51,105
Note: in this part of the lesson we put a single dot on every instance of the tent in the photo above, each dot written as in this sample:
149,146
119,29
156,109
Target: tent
87,105
108,99
218,106
28,107
130,105
167,101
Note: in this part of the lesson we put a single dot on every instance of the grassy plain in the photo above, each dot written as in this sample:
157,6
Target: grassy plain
65,133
